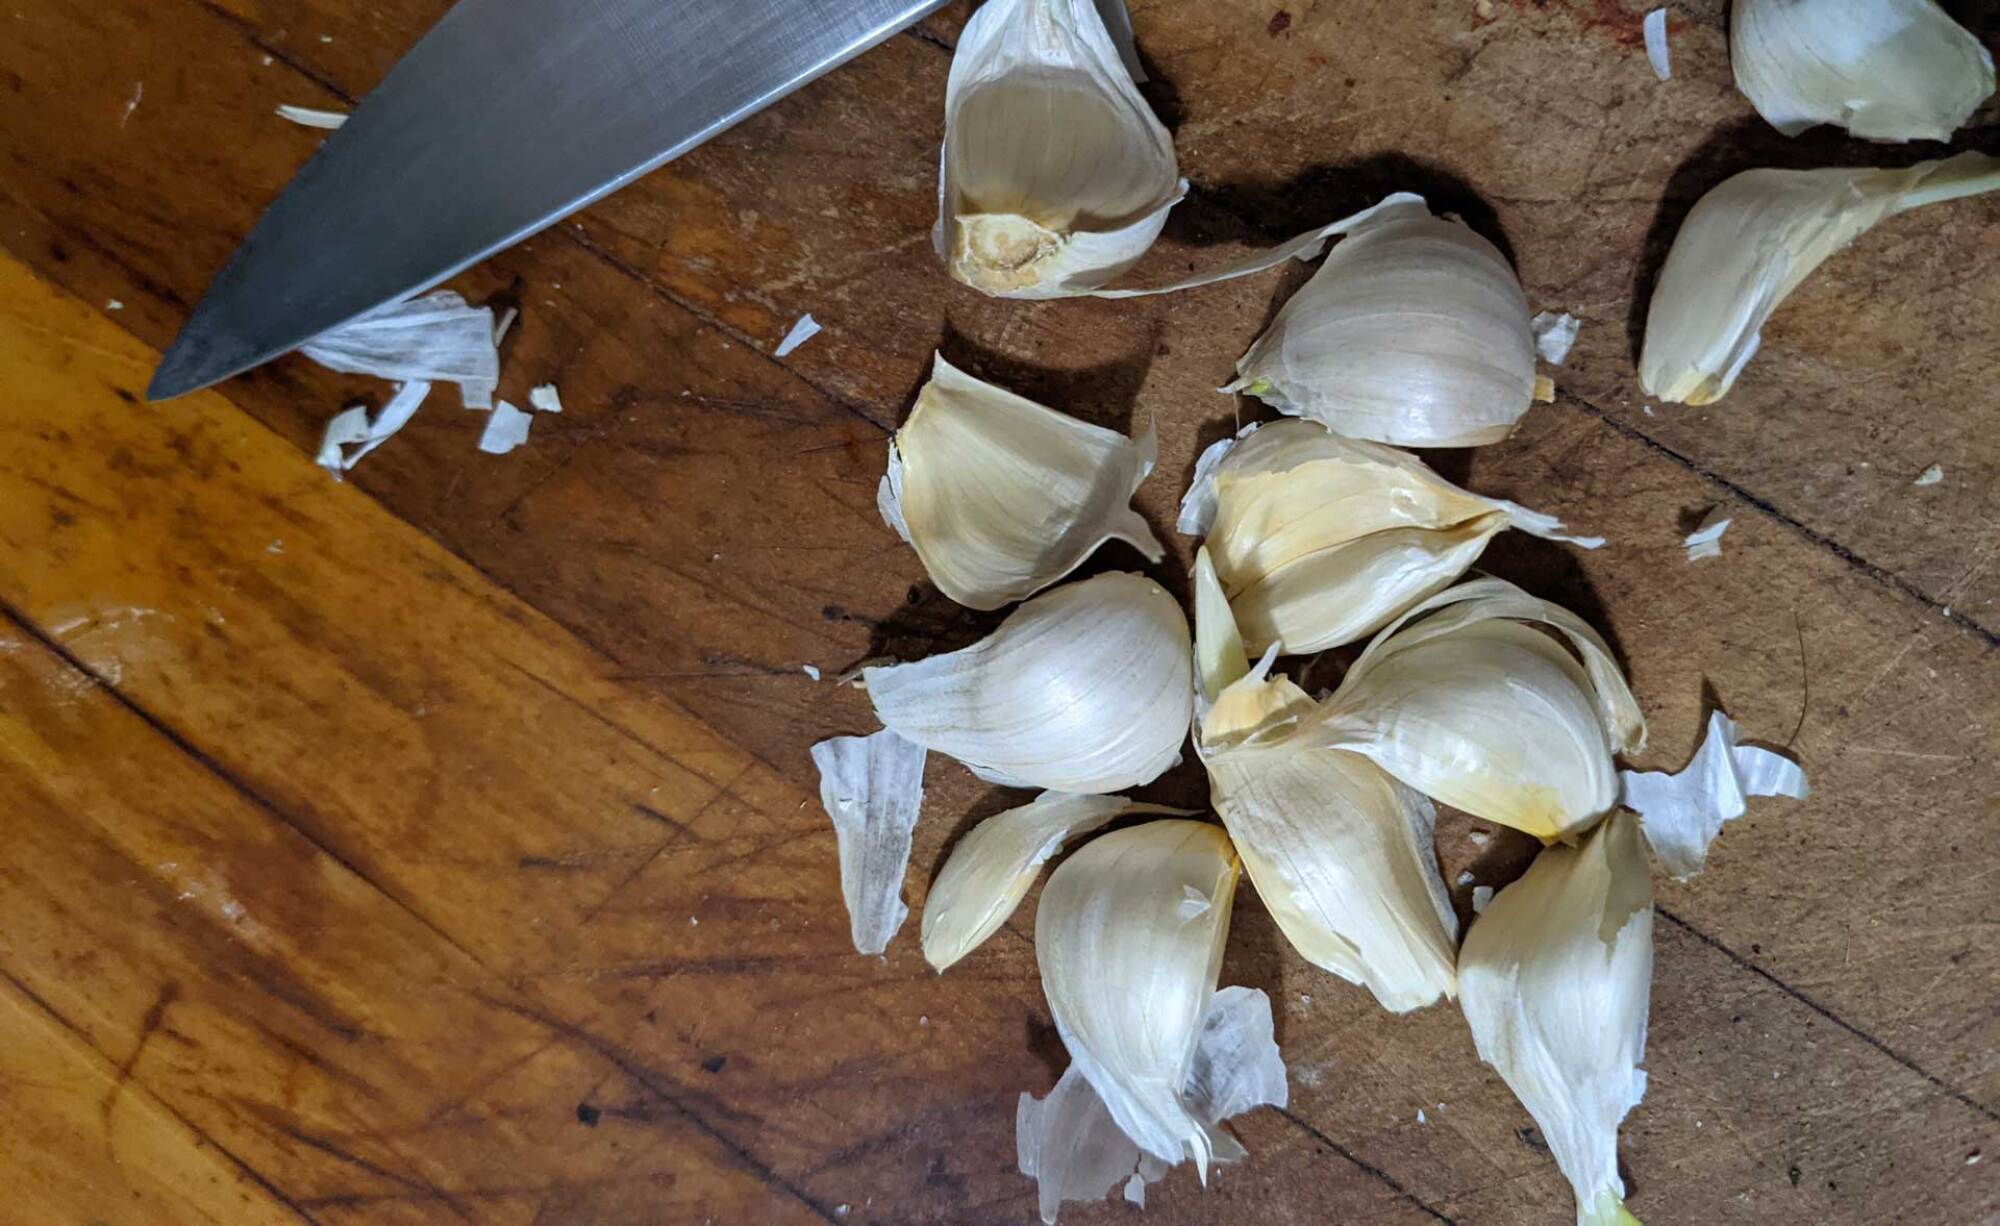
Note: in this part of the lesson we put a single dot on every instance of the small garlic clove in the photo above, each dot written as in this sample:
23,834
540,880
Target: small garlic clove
1320,540
1467,704
1555,979
995,863
1753,240
1087,688
1681,813
1888,70
1056,176
1001,497
873,788
1414,331
1130,980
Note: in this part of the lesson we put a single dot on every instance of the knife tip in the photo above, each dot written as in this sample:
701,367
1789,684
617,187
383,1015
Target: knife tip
197,359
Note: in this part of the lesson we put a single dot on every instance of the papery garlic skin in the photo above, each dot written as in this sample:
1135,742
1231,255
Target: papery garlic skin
1414,332
1056,176
1470,706
1555,979
1888,70
1321,540
1753,240
997,860
1001,496
1087,688
1129,978
873,790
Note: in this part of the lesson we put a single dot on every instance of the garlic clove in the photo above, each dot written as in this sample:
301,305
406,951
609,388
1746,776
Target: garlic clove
1056,176
1130,979
1001,497
1681,813
1087,688
1753,240
1467,704
1555,979
1888,70
995,863
873,788
1414,331
1320,540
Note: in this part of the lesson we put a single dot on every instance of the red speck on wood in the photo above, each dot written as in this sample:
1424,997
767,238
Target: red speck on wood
1280,22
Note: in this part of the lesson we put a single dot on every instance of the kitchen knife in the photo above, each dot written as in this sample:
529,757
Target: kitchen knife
507,117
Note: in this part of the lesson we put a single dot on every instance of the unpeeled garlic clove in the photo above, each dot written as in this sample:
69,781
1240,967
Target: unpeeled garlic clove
1889,70
1319,540
1129,977
1468,701
1087,688
1752,241
1555,979
1414,331
1056,176
1001,497
995,863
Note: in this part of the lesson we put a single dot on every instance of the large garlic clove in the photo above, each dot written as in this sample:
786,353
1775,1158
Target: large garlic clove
1087,688
1320,540
1891,70
1056,176
1752,241
1465,703
1414,331
1001,497
1555,979
872,788
995,863
1129,968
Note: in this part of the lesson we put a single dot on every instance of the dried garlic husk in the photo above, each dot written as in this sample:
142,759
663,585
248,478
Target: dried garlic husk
1682,813
1056,176
1468,701
1320,540
873,788
1340,852
1129,971
1752,241
1554,980
1414,331
1890,70
1069,1144
1087,688
993,866
1001,497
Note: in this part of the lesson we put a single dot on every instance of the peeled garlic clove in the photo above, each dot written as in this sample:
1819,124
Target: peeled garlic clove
872,787
1682,813
1555,979
1320,540
1465,703
1129,978
1001,497
1414,331
1752,241
1087,688
1891,70
993,866
1056,176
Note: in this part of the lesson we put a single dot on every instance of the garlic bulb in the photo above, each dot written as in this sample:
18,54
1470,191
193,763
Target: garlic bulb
1750,242
1554,980
1414,331
1129,970
1468,701
1056,176
993,866
1320,540
1001,497
1340,852
1087,688
1891,70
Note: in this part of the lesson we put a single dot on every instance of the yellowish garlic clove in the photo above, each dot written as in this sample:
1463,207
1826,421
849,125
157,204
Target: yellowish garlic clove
1554,980
1752,241
1001,497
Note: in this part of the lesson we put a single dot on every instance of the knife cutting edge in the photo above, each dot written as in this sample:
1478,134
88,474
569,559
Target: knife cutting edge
507,117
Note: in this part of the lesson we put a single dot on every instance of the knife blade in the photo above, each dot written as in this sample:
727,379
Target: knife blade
508,116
